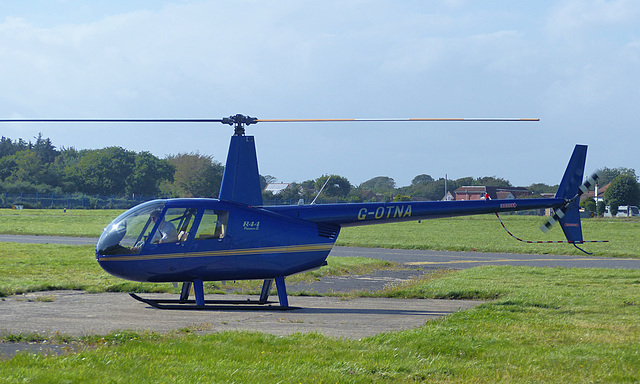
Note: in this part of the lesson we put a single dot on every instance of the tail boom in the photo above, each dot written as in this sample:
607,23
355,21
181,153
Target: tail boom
346,215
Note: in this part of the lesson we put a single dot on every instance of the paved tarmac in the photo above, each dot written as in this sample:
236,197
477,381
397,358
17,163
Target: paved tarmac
32,239
462,260
77,313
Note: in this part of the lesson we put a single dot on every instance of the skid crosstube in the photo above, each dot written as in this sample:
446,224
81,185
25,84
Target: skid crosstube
211,304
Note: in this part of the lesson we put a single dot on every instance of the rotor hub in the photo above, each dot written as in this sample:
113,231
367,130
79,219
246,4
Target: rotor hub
239,121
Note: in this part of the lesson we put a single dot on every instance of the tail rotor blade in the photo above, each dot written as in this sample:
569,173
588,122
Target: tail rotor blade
590,182
558,214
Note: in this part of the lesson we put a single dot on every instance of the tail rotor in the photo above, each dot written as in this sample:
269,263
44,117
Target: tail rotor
560,213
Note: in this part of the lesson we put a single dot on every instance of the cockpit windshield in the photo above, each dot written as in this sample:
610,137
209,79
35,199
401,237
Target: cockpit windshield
149,223
128,229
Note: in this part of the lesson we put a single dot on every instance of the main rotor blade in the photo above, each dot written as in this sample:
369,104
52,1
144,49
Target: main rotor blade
110,120
240,119
396,119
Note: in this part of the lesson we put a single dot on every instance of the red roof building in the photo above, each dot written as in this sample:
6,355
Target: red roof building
478,192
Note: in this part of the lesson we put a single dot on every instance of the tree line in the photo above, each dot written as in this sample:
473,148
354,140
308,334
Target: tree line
383,188
623,189
39,167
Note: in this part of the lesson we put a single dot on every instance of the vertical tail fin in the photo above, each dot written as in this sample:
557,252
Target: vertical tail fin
570,190
572,178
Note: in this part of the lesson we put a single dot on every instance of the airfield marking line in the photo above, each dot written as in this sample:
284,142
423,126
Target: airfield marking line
497,261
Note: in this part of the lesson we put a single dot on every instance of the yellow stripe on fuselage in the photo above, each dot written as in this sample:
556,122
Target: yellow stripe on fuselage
228,252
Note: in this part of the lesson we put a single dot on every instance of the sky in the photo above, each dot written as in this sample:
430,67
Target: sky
573,64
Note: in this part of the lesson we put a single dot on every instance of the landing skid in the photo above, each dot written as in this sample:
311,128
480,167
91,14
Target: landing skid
201,304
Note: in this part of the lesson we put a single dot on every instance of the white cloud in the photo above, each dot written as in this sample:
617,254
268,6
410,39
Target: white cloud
573,63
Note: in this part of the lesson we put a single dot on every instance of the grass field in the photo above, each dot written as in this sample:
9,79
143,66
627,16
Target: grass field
538,324
55,222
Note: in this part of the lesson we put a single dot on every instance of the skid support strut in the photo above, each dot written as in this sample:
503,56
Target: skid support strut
198,290
282,292
280,287
266,289
186,289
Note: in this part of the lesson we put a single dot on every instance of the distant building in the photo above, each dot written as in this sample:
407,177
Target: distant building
276,188
477,192
592,194
447,197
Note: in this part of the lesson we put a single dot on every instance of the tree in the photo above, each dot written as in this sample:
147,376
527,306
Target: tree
588,204
461,182
492,181
422,179
44,150
195,175
308,190
7,166
8,147
291,194
540,188
103,171
63,166
400,197
608,174
435,190
337,186
148,173
624,190
380,185
27,167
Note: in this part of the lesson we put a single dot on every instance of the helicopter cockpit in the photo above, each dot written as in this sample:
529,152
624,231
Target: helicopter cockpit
151,224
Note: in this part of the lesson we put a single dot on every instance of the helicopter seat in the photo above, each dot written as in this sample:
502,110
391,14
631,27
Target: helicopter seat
183,236
219,232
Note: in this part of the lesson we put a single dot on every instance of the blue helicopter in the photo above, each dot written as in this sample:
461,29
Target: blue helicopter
236,237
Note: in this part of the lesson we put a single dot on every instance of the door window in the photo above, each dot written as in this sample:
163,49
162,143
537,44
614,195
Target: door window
213,225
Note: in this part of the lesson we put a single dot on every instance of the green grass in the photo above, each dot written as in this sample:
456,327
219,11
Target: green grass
484,233
543,325
44,267
55,222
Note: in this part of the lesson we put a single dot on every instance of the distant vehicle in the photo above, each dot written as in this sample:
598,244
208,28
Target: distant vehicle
623,211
